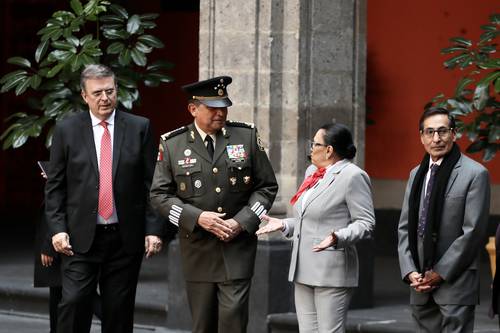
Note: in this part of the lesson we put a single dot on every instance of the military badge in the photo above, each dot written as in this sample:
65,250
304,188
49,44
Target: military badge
246,180
182,186
160,153
232,180
236,152
197,183
187,152
192,135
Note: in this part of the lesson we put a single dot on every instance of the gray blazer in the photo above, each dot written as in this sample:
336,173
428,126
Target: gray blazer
342,202
461,235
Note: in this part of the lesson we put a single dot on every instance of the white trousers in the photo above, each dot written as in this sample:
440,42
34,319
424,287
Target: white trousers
321,309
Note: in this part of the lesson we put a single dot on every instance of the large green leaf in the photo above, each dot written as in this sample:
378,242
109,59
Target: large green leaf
14,82
133,24
124,57
54,70
22,86
151,41
112,19
141,47
464,82
77,7
12,75
454,61
452,49
138,57
36,80
63,45
149,16
20,61
489,152
461,41
119,10
41,50
115,48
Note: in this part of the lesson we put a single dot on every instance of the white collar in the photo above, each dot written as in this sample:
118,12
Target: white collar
96,121
202,133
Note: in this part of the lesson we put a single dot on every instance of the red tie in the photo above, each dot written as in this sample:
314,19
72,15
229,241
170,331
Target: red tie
308,183
105,175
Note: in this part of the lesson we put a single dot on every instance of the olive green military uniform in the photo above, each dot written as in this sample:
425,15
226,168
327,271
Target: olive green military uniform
239,182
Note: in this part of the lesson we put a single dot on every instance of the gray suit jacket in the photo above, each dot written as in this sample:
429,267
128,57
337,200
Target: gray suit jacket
342,202
461,235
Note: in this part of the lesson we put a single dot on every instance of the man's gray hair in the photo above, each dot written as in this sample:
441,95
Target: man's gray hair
95,71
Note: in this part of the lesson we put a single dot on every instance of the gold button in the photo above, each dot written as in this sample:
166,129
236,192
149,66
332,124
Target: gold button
217,189
187,173
215,170
219,209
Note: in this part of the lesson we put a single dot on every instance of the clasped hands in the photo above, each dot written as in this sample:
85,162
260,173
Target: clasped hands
225,230
427,282
274,224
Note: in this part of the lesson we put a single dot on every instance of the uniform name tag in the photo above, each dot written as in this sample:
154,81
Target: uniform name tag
236,152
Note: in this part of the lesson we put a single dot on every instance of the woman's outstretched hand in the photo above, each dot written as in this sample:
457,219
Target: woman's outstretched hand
273,224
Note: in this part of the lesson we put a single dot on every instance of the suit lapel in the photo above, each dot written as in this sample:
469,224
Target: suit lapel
119,132
326,182
88,140
453,176
194,141
221,143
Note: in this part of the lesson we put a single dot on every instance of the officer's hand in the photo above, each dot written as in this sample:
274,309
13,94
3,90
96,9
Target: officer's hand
152,245
60,242
213,223
236,229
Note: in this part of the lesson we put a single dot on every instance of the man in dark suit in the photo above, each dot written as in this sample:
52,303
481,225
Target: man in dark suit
214,181
97,207
442,227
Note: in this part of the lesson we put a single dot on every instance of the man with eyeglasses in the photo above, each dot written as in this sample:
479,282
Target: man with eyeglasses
97,206
441,229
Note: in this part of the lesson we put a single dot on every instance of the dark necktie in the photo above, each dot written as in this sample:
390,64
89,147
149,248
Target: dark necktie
210,146
105,175
425,206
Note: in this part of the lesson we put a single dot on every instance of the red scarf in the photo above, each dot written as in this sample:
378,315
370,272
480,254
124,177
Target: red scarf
308,183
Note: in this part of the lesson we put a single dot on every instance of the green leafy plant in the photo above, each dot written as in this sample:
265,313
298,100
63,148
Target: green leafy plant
475,103
117,39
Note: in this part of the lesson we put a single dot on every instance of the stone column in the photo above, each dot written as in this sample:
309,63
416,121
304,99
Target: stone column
296,64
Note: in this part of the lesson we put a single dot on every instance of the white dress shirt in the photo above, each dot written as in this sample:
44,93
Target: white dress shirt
204,135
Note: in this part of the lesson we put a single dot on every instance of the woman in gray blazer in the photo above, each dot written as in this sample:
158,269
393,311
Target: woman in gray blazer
333,209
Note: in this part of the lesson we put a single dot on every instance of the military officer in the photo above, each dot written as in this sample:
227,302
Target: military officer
214,181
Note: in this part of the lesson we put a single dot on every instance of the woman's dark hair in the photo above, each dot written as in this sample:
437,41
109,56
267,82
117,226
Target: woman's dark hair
340,138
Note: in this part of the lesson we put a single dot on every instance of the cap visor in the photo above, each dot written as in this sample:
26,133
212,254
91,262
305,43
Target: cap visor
217,103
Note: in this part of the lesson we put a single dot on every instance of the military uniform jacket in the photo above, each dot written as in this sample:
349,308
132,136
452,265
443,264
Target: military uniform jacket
239,182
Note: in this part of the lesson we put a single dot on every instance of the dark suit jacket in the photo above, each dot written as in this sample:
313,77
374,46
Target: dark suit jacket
72,188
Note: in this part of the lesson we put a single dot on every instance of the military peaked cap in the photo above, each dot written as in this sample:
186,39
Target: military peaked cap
211,92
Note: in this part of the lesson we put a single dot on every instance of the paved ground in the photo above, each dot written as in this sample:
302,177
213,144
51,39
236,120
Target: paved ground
24,308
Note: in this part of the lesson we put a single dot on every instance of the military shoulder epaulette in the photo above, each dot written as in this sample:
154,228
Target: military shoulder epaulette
240,124
173,133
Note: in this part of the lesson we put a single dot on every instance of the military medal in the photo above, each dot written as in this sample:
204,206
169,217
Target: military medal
187,152
197,183
246,180
236,152
232,180
182,186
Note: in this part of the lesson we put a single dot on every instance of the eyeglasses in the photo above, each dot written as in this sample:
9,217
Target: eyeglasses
312,144
443,132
